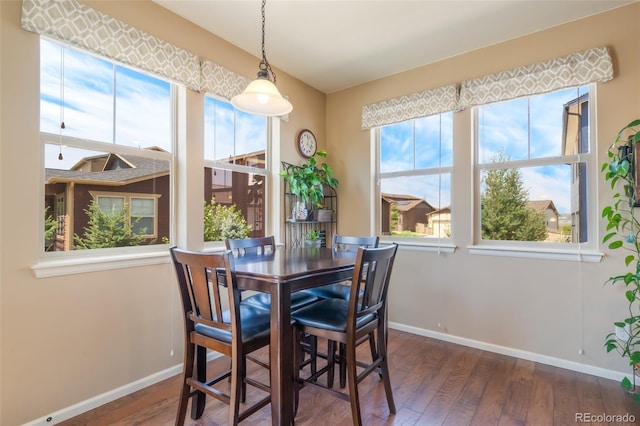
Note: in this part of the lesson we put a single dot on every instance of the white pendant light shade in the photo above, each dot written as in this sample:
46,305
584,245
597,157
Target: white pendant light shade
261,97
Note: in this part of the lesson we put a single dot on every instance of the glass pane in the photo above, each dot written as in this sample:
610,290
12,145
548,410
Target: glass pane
545,203
142,207
70,186
143,110
111,205
503,128
143,225
234,136
397,147
526,128
239,199
80,93
434,141
417,206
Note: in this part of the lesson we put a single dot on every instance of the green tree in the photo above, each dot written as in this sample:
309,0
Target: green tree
105,230
506,214
394,215
50,228
222,222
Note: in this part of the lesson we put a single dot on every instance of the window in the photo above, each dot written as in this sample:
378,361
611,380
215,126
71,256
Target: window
416,162
139,212
107,138
532,164
236,167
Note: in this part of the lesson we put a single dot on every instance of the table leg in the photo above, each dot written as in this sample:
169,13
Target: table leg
281,349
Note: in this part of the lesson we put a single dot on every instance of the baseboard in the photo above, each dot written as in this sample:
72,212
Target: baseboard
516,353
95,402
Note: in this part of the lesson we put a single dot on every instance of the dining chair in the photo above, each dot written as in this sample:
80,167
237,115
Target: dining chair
341,243
235,332
264,246
350,322
341,290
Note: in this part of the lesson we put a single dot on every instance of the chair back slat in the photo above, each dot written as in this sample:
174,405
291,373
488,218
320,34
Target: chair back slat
350,243
258,245
371,275
199,289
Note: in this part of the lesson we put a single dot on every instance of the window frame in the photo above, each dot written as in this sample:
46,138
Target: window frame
580,251
266,172
431,244
127,198
79,261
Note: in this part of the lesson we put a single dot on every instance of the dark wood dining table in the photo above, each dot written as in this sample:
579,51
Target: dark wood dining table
280,273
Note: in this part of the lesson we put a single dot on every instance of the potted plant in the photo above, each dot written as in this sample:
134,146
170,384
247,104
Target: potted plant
623,232
310,180
312,239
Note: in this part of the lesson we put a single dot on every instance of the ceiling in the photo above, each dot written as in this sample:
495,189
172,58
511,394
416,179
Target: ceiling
332,45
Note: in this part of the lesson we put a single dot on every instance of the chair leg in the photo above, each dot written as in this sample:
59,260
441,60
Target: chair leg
187,372
384,367
331,360
236,394
298,357
198,403
343,365
243,383
352,377
313,348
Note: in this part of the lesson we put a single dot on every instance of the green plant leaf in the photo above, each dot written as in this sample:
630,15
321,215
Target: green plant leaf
626,383
615,245
629,259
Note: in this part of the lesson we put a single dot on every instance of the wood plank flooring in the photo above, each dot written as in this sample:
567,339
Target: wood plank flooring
434,383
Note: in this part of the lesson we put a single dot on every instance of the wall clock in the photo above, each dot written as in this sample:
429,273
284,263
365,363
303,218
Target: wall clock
307,144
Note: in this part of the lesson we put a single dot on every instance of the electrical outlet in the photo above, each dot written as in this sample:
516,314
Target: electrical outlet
622,333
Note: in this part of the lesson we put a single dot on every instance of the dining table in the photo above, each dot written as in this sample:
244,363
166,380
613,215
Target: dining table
280,273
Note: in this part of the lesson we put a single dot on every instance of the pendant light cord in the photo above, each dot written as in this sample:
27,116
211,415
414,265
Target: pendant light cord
264,64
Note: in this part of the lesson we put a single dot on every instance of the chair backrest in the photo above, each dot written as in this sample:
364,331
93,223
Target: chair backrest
201,295
258,245
371,278
350,243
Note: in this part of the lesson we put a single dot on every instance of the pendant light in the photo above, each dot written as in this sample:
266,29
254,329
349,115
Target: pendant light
261,97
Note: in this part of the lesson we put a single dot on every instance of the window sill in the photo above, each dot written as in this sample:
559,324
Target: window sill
403,244
81,264
571,255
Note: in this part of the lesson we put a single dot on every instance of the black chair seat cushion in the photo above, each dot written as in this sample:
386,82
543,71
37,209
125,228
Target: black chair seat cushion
333,291
299,299
328,314
255,323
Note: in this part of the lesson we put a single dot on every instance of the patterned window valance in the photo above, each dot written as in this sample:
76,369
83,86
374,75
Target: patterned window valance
89,29
590,66
416,105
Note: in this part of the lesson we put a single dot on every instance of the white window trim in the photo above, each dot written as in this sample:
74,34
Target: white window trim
434,245
577,252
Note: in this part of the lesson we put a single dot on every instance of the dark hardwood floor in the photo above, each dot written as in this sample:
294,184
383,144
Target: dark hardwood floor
434,383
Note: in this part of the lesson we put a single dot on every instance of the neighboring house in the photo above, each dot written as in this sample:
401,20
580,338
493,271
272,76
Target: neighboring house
411,213
140,183
551,214
439,223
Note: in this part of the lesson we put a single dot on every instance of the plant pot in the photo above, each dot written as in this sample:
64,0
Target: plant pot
312,243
